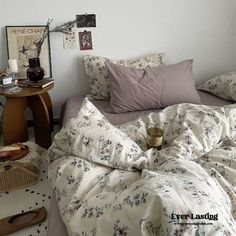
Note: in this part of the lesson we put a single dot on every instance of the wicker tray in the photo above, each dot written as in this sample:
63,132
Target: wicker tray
15,175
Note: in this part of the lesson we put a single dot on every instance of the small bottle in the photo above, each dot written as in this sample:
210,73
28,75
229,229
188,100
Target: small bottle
154,138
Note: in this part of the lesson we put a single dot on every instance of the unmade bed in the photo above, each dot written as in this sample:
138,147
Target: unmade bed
56,225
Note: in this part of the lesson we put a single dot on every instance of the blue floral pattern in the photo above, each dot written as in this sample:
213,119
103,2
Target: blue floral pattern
108,183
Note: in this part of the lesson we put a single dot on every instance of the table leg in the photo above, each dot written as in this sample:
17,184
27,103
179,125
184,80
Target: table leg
41,119
14,124
48,103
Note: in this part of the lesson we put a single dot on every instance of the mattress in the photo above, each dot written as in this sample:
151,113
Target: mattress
71,107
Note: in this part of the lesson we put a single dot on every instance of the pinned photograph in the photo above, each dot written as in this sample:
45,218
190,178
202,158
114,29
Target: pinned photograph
70,41
85,40
86,20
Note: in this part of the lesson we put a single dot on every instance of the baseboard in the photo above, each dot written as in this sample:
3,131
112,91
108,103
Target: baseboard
56,121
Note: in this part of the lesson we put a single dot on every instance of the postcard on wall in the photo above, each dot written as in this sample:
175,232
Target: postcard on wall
86,20
21,45
70,41
85,40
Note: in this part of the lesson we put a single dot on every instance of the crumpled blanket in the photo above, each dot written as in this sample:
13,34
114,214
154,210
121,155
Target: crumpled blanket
108,183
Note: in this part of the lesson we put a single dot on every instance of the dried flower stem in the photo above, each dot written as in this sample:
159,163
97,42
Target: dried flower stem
64,28
44,36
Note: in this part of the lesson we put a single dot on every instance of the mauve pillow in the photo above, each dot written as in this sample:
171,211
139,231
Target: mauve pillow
96,71
157,87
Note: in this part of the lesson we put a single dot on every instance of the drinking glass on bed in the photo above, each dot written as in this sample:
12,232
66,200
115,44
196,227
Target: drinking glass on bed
154,138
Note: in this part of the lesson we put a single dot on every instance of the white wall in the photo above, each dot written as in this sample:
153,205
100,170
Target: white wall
204,30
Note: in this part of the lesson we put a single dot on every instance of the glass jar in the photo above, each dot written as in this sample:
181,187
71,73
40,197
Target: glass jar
154,138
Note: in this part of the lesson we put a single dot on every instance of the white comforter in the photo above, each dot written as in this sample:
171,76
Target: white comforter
107,183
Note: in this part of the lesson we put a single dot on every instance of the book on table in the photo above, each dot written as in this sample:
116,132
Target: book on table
40,84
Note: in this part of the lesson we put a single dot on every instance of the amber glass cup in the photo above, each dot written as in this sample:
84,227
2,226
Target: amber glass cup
154,138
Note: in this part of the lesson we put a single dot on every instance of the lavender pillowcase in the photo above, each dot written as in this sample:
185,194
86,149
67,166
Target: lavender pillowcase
156,87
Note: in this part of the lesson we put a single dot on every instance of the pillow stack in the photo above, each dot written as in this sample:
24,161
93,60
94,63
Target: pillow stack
141,84
97,72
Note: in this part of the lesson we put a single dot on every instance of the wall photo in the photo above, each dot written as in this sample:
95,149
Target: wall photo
85,40
69,40
86,20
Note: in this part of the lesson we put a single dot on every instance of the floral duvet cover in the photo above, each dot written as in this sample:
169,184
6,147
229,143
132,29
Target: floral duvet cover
108,183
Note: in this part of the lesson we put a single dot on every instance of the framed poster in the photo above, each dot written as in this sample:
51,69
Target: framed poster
22,44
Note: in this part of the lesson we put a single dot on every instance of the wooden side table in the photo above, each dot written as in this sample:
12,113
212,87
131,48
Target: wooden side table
14,124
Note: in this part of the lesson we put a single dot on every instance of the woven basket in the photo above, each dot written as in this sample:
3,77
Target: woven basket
15,175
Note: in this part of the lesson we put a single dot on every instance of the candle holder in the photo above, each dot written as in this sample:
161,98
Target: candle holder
154,138
16,88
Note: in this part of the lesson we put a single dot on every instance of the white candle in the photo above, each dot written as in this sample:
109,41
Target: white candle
13,67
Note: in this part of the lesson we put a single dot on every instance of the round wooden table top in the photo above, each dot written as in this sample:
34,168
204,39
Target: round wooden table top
26,91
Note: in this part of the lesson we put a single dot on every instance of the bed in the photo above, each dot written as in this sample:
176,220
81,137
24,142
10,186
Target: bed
71,107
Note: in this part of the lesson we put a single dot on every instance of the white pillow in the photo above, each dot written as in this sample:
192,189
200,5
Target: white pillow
97,72
223,86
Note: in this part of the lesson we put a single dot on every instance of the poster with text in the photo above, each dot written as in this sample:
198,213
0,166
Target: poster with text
21,45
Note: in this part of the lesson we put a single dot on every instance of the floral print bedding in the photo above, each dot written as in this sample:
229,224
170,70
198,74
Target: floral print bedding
223,86
108,183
